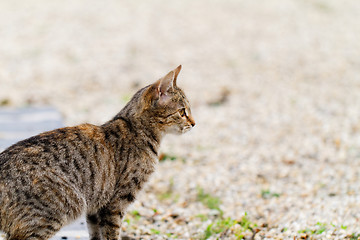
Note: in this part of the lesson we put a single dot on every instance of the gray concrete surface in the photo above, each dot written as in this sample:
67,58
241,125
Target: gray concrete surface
18,124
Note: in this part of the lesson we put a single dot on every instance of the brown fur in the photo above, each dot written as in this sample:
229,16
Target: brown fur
50,179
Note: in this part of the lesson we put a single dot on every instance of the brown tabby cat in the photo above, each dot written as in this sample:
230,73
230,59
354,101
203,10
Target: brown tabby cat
50,179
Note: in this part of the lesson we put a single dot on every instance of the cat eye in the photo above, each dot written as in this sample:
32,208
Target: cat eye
182,112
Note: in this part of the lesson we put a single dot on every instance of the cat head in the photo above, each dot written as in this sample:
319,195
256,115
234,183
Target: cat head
167,105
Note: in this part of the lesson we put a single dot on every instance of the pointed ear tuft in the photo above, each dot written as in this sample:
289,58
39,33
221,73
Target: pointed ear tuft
163,87
166,83
176,71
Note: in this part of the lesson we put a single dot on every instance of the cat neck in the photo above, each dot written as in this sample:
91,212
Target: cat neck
140,127
136,120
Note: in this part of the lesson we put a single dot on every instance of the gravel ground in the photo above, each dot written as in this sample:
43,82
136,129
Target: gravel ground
275,90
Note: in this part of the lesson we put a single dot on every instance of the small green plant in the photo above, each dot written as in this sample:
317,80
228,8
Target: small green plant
155,231
246,223
166,156
165,195
169,192
306,230
224,225
132,216
354,236
210,201
171,236
208,232
266,194
169,195
322,227
218,227
318,229
202,217
135,214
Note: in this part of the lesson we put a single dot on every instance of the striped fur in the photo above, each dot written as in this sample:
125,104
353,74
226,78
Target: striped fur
50,179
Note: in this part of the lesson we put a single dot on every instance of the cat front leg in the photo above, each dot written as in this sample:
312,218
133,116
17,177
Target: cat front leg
110,223
93,222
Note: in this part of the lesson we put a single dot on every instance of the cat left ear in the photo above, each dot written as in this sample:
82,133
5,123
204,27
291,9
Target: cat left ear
176,72
163,86
166,83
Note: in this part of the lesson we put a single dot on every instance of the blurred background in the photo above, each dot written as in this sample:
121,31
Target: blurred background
275,92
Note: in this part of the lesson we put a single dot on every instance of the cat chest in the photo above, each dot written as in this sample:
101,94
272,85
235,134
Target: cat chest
137,173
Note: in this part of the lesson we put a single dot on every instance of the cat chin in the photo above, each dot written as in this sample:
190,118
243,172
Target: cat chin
179,131
185,129
175,132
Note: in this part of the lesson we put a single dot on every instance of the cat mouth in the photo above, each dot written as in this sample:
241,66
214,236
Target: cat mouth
186,129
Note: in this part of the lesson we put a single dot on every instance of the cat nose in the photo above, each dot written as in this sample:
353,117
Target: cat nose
192,122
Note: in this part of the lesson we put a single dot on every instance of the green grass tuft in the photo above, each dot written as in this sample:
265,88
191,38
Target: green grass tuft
202,217
155,231
223,225
166,156
355,236
266,194
208,200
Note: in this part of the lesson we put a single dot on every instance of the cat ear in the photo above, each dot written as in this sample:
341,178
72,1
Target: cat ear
166,83
169,81
176,72
163,87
